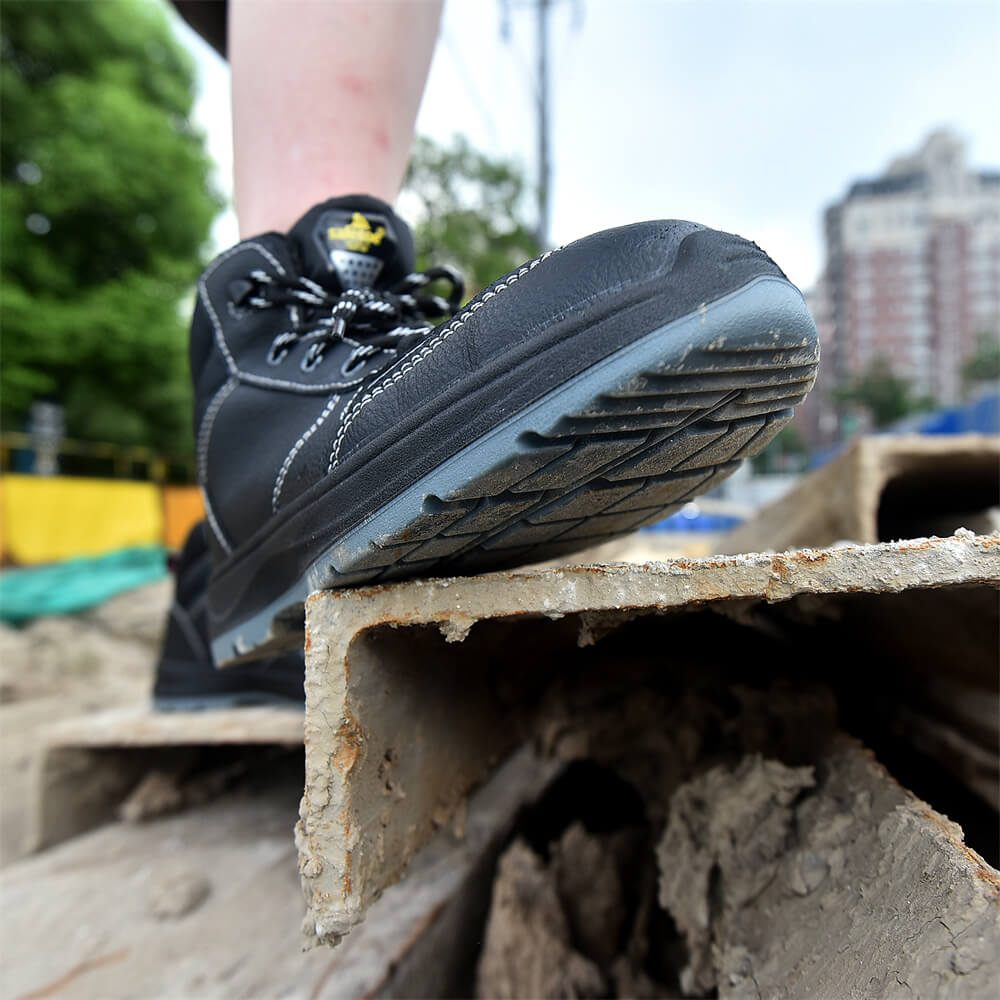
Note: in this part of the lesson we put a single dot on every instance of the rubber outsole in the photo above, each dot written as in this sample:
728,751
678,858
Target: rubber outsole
623,444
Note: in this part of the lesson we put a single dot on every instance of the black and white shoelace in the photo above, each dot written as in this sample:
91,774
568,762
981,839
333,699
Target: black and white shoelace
374,320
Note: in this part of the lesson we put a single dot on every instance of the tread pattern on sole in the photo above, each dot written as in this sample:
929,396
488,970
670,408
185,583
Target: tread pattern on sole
629,458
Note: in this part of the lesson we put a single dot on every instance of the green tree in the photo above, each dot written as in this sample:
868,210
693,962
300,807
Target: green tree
881,392
984,364
105,207
472,211
788,452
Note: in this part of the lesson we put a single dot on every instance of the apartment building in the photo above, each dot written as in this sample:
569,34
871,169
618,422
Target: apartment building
913,269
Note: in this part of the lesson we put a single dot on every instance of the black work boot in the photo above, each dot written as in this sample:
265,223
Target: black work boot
186,677
342,439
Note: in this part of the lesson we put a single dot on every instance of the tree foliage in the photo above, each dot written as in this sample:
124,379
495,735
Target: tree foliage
881,392
788,452
984,364
472,211
105,207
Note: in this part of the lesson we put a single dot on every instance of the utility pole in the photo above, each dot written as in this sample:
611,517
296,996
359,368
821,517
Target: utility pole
544,166
541,93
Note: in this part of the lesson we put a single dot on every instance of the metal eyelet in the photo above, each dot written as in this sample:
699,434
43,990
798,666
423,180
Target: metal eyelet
352,364
312,358
277,353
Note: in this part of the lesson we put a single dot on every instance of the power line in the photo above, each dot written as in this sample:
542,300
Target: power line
544,166
473,91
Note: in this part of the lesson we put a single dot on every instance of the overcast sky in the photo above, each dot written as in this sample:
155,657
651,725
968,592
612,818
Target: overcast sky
747,115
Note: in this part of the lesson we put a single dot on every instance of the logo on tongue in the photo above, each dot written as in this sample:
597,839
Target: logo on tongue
357,236
355,246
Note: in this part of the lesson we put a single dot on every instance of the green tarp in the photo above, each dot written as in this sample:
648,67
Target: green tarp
65,587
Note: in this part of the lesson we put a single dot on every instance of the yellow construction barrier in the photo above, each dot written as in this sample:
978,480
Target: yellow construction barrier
49,518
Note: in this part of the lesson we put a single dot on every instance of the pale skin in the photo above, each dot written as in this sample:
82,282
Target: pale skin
325,97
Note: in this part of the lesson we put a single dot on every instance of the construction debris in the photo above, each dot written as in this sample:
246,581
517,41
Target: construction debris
829,881
787,861
529,951
415,690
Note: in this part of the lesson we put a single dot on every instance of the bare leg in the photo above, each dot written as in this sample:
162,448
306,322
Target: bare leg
325,95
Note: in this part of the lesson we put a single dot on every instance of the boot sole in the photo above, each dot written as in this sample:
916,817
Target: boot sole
623,444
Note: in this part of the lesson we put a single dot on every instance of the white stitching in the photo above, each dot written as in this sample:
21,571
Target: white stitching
213,524
204,433
299,387
412,359
296,448
206,425
203,292
343,415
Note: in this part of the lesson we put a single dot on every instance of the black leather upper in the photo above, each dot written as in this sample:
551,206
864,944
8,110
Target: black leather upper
271,436
185,668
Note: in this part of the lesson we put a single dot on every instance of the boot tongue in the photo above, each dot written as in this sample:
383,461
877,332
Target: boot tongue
352,242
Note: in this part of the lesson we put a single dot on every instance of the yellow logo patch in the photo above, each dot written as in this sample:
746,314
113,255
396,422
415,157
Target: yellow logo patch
357,235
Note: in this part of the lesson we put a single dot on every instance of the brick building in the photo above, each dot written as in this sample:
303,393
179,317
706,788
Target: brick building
912,275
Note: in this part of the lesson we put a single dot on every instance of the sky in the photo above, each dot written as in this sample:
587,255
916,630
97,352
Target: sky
746,115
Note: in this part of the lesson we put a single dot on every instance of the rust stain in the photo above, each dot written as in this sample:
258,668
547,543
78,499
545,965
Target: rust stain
781,569
814,557
575,570
980,869
345,882
714,564
922,545
78,970
349,742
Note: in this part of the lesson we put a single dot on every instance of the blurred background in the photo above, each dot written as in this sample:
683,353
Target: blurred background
857,143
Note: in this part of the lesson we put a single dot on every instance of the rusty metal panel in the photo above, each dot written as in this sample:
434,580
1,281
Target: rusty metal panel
882,488
415,690
88,764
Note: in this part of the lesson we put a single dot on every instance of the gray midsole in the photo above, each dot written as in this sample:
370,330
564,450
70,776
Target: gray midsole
768,304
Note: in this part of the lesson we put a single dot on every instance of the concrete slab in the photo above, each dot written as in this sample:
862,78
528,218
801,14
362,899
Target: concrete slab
415,690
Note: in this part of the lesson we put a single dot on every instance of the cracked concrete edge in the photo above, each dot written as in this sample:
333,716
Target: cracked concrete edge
329,836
